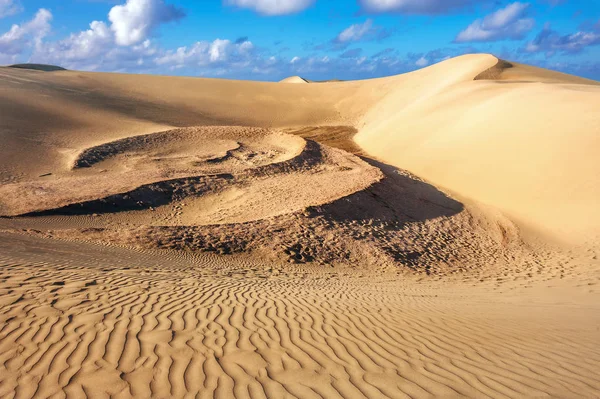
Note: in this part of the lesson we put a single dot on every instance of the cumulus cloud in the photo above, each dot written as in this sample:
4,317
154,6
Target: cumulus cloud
509,22
85,47
95,49
272,7
550,41
122,44
27,35
133,21
204,53
9,7
413,6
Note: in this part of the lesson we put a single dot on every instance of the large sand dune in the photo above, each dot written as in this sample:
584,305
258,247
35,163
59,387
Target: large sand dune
525,145
434,234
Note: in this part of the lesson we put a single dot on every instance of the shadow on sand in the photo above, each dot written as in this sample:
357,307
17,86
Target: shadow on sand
398,198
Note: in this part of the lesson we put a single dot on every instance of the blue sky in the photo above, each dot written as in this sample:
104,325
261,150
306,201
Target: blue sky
316,39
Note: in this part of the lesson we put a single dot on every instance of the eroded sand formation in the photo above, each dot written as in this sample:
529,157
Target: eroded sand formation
178,237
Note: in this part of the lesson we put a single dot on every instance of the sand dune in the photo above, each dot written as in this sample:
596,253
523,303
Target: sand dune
293,79
525,146
433,234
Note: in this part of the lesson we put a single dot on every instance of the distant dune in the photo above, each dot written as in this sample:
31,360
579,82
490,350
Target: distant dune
38,67
432,234
294,79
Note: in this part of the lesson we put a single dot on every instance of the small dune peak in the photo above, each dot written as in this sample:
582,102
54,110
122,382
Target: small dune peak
294,79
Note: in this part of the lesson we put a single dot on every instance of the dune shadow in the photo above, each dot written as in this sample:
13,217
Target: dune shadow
144,197
398,198
495,72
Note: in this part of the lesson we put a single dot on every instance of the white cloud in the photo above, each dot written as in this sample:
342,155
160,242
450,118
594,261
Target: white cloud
95,49
355,32
365,31
133,21
124,43
22,37
9,7
272,7
413,6
219,49
84,47
205,54
509,22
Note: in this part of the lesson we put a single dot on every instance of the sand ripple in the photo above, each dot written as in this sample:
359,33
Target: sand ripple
95,321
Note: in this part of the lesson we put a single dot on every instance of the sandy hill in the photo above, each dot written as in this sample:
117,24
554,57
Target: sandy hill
535,165
432,234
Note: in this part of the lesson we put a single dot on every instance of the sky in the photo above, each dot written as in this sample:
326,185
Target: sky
316,39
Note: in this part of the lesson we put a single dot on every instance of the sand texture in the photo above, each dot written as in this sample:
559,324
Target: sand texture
433,234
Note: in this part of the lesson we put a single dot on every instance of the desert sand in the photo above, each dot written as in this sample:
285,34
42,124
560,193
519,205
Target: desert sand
432,234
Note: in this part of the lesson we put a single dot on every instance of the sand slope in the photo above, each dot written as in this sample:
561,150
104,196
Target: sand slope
179,237
526,146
